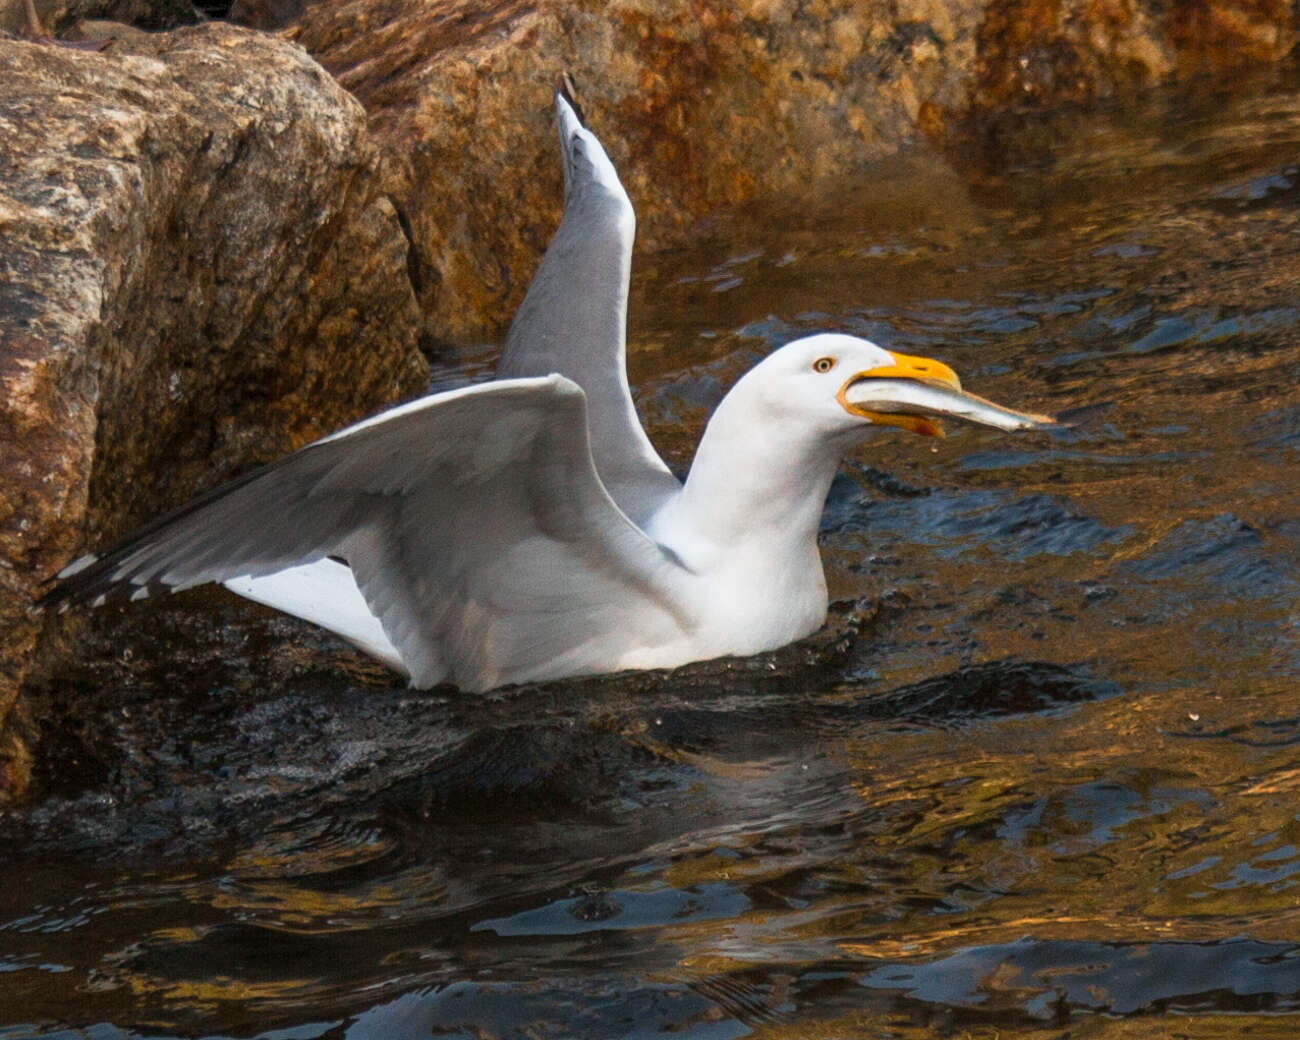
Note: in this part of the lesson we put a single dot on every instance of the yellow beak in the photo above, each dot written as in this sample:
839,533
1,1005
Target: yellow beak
924,370
905,366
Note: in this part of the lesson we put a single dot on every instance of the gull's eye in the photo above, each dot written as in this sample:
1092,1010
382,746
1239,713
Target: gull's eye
823,364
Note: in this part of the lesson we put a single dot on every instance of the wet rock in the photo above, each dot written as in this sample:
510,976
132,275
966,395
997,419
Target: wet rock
202,708
199,272
57,16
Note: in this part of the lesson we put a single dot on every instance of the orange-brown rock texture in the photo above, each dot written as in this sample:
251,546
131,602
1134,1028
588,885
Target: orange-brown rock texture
701,105
1055,50
705,104
199,272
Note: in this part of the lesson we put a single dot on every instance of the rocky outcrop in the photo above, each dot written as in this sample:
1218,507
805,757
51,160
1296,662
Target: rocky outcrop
1048,51
702,106
709,104
199,272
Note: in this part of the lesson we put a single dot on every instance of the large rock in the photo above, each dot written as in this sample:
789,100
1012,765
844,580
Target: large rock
1047,51
199,271
709,104
701,105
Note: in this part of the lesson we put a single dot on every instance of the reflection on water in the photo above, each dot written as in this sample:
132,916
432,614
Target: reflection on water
1042,773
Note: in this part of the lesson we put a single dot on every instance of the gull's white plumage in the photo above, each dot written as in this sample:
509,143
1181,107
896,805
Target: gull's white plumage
526,528
574,319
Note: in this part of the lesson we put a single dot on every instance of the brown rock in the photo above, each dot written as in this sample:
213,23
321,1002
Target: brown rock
56,16
702,106
707,105
1046,51
199,272
1230,35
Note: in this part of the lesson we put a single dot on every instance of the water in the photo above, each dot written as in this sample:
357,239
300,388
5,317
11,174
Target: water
1041,776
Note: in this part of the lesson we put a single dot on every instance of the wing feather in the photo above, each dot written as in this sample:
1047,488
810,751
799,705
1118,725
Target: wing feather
475,525
574,318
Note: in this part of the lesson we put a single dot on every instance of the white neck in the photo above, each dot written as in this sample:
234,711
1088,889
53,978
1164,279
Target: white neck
749,515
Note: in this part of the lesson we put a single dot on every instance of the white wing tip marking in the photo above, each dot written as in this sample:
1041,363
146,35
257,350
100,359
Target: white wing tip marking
78,565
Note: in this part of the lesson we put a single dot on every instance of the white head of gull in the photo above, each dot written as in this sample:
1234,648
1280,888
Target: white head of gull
526,529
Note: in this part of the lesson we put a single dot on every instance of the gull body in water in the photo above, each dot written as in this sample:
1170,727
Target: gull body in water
526,529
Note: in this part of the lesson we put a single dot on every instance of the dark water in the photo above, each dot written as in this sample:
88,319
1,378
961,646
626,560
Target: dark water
1040,778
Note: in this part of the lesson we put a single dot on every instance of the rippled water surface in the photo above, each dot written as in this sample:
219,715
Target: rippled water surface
1039,778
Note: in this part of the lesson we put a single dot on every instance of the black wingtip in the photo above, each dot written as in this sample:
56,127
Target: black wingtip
565,88
55,595
94,586
51,593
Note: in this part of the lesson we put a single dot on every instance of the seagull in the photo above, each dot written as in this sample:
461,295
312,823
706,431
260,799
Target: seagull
525,529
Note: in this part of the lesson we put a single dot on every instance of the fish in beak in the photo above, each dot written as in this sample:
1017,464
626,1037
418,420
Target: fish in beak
913,392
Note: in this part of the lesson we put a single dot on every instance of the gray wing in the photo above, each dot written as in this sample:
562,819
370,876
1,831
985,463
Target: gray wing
474,523
574,317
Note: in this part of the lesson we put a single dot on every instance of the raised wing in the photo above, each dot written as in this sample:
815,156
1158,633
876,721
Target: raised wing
574,318
473,521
